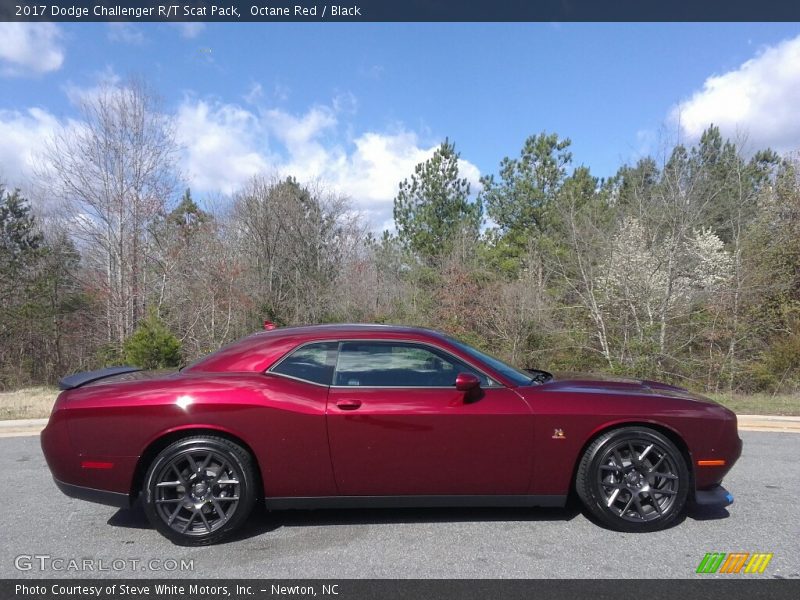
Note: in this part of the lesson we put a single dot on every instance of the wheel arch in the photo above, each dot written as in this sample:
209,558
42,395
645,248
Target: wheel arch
166,438
668,432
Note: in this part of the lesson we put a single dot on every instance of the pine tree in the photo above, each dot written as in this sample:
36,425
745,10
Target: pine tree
518,203
18,234
152,345
433,208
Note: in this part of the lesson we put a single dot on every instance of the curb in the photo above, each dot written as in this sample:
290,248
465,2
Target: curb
775,423
21,427
11,423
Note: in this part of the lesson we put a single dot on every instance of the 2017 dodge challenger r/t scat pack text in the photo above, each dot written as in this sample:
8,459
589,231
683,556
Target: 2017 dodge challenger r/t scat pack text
382,416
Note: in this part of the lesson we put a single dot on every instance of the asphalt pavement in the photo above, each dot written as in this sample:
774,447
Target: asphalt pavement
46,534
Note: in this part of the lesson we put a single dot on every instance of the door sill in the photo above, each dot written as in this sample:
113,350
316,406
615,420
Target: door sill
312,502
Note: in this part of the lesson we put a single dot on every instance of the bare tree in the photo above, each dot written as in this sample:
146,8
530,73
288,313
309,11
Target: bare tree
196,271
519,310
295,241
115,170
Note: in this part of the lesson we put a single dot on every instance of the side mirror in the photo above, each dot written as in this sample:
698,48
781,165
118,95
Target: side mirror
466,382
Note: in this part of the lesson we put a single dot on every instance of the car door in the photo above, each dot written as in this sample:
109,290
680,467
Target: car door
398,426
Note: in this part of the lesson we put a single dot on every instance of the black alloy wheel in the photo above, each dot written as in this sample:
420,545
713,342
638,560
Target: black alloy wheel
633,479
200,489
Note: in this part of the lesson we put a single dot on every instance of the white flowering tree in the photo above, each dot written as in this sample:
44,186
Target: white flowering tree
646,282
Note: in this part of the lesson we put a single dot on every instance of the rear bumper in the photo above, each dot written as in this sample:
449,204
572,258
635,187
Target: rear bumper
716,496
74,472
92,495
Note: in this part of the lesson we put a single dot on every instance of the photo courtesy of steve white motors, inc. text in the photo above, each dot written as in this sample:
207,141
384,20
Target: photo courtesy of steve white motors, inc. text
176,11
100,590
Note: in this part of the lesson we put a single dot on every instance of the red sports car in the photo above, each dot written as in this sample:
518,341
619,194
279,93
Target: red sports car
373,415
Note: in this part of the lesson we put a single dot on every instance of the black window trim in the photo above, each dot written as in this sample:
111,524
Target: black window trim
493,381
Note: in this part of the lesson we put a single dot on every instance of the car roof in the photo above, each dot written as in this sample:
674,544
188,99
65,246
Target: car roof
338,329
259,350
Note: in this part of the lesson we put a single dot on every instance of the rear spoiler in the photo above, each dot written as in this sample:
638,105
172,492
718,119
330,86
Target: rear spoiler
79,379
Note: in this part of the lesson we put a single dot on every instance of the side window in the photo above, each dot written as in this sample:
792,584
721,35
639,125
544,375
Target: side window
391,364
312,362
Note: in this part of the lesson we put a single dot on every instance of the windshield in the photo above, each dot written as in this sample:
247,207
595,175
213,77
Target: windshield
517,376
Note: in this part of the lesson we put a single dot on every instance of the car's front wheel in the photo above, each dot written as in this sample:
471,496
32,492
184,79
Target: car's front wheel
200,489
633,479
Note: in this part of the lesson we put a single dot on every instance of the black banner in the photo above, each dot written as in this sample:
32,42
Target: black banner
399,10
734,588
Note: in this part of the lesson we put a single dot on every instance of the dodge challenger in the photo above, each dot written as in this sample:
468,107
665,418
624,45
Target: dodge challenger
380,416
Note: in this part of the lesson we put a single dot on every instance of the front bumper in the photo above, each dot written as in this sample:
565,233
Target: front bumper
716,496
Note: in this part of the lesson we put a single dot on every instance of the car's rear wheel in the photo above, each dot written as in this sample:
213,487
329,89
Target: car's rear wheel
199,490
633,479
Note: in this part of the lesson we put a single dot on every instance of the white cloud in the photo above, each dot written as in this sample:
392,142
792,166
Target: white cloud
102,81
190,30
281,92
255,94
227,144
126,33
303,139
372,71
30,48
224,145
758,100
346,102
24,135
380,161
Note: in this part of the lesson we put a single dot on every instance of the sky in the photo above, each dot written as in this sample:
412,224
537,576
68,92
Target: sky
356,106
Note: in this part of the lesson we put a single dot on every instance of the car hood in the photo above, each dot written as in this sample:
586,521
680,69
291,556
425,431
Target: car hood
594,383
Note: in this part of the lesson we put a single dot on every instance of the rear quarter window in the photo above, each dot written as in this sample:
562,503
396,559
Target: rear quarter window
313,363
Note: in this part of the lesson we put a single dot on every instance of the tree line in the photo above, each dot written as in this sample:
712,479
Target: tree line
685,269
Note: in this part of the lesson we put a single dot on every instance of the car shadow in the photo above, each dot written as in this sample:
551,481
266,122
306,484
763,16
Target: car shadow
264,521
694,512
130,518
707,513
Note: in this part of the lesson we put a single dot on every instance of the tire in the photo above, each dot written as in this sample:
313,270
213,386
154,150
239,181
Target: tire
633,479
199,490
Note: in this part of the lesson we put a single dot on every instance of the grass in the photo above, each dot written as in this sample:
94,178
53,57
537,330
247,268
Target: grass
28,403
36,402
760,404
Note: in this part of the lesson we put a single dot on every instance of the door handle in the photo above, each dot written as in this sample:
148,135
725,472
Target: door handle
348,404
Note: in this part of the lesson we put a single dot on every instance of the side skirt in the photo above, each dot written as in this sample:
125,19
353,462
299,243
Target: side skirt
412,501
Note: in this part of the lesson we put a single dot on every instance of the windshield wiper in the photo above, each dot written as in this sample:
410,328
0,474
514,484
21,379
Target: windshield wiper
539,376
